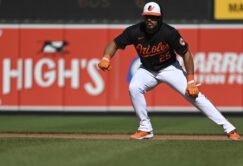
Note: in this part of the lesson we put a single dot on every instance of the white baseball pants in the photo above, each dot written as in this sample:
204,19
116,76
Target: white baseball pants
173,75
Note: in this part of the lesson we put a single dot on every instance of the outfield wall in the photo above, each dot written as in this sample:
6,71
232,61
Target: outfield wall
53,68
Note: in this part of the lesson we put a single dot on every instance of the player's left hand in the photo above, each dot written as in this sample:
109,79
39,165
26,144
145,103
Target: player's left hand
192,89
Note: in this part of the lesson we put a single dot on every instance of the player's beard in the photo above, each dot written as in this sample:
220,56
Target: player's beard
151,27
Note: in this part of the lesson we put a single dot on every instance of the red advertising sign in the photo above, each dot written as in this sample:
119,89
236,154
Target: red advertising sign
54,67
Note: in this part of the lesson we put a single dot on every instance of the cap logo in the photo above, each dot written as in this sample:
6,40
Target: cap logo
182,42
150,8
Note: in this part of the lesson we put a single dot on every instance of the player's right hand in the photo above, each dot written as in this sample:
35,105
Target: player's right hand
104,63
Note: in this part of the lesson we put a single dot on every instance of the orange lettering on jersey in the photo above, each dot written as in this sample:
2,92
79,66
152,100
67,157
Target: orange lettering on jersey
148,51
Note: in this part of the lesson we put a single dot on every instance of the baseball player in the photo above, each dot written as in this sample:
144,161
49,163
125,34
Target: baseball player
157,44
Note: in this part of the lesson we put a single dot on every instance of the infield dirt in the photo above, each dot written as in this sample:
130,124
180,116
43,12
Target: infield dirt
113,136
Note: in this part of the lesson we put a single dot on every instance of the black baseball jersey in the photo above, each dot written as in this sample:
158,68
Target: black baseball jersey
156,51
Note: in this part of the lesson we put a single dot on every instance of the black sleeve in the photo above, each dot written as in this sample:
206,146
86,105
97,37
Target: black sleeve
124,39
178,43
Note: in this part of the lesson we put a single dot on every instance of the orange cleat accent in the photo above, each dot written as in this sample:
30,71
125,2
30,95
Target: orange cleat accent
142,135
233,135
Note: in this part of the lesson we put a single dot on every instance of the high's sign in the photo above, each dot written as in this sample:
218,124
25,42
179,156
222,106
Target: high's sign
54,67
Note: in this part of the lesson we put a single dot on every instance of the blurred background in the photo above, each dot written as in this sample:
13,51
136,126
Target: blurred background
118,12
49,50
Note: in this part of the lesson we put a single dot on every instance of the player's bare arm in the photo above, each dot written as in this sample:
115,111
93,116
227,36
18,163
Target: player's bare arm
111,49
109,52
192,89
188,62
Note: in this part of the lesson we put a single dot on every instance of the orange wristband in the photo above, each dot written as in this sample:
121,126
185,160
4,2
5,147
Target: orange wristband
106,57
190,77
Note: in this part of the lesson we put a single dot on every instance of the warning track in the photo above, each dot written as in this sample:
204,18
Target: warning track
113,136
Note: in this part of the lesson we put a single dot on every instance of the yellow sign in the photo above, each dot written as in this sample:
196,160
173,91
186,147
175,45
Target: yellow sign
228,9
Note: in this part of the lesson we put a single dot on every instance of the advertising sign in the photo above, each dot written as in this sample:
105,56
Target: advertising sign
228,9
54,67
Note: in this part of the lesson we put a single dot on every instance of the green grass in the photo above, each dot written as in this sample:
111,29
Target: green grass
71,152
93,152
112,124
